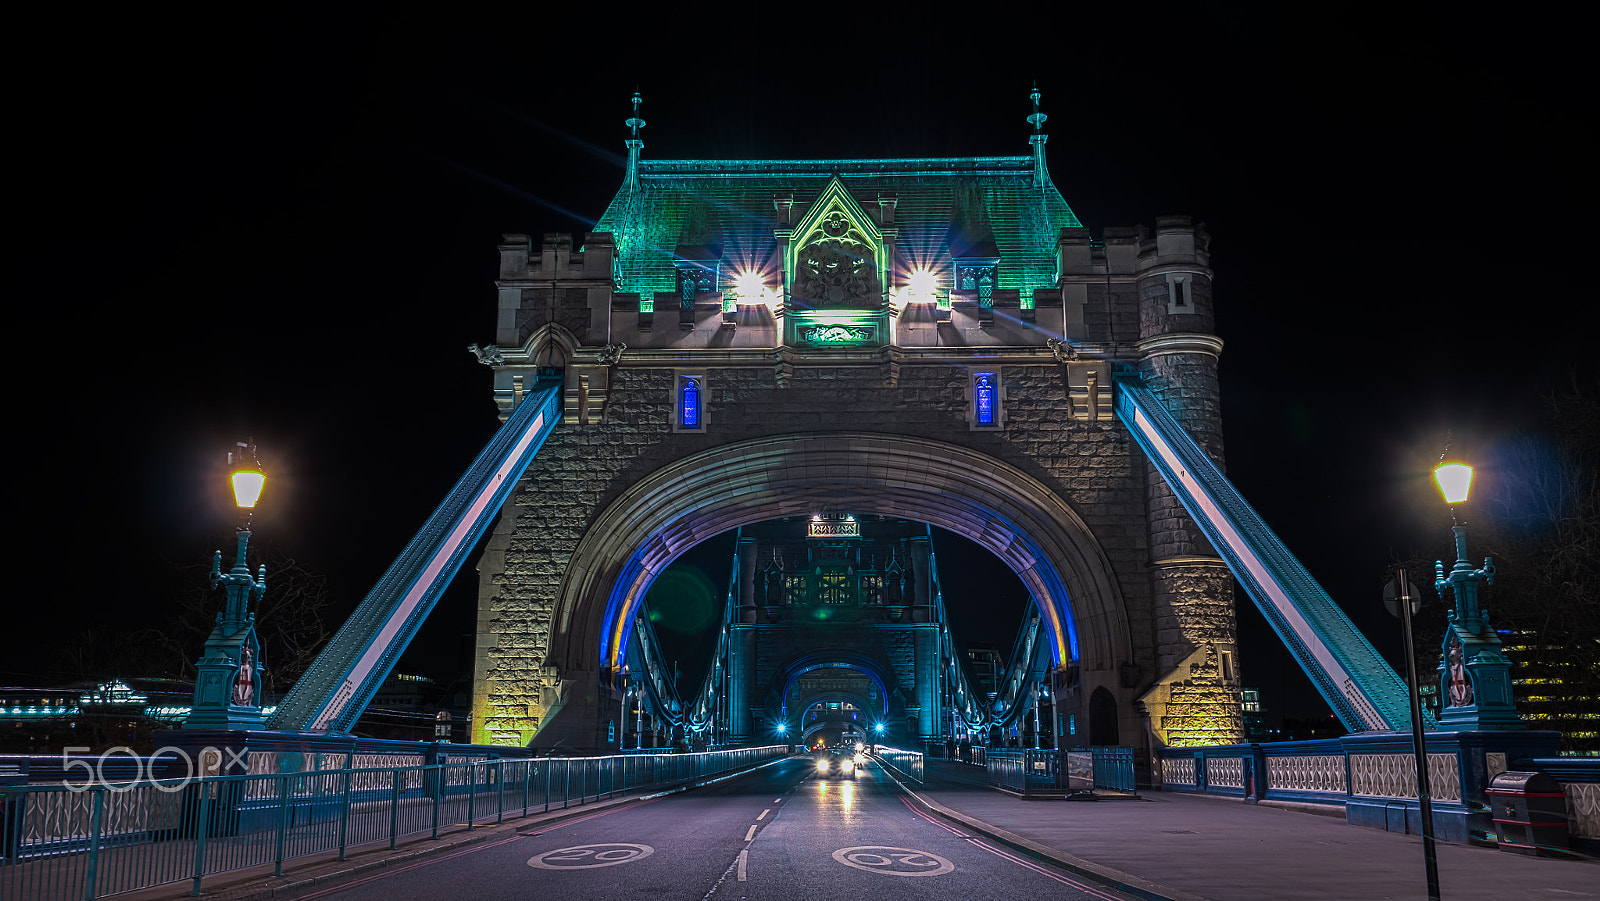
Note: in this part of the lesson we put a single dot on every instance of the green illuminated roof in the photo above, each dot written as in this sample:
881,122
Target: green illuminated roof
729,203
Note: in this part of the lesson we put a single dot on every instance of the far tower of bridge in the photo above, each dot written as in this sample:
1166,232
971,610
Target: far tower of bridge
932,340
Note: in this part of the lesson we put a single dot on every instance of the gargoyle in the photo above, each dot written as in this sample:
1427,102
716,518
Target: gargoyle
488,355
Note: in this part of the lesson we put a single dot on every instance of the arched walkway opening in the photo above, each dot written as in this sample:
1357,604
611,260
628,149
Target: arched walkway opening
994,504
1103,718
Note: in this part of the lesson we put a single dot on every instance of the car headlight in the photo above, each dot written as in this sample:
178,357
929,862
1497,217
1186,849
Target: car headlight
847,765
822,765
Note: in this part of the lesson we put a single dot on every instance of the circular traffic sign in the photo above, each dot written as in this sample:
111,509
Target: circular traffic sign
893,861
587,857
1393,592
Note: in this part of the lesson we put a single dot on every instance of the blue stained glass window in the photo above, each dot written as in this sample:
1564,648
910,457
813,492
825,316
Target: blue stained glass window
689,403
983,398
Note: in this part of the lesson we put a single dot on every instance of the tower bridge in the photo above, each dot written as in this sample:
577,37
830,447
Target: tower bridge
831,356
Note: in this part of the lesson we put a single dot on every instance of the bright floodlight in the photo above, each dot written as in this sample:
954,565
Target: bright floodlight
752,288
247,484
1455,481
922,283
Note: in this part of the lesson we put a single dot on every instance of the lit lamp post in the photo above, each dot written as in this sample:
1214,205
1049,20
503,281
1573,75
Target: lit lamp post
1474,677
1038,699
227,685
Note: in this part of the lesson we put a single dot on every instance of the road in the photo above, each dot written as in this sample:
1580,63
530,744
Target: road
781,832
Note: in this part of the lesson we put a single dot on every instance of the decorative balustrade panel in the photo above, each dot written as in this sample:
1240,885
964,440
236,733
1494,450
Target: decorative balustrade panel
1395,776
1583,809
66,816
381,775
1318,773
462,769
1178,771
1225,772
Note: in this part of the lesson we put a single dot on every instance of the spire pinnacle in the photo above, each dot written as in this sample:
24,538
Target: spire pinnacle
635,123
1041,173
635,143
1037,118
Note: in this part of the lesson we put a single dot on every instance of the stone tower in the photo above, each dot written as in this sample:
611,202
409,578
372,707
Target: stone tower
929,340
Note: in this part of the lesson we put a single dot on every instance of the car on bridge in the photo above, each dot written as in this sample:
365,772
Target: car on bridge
836,765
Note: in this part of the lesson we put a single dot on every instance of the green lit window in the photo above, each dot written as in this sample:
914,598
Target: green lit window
834,588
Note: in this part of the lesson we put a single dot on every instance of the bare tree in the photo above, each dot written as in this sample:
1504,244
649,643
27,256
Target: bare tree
291,623
290,620
1539,516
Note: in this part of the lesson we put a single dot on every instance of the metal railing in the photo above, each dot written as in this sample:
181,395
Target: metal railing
1047,771
87,841
1376,772
906,763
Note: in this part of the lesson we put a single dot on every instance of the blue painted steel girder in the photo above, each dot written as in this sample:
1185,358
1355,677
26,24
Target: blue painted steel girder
1363,690
344,678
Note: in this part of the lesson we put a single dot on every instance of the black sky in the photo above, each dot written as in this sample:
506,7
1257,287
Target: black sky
285,227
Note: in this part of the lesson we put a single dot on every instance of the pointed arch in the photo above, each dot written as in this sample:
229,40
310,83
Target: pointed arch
836,256
551,345
999,507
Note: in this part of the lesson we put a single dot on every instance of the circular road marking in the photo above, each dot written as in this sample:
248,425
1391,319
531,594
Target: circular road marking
893,861
587,857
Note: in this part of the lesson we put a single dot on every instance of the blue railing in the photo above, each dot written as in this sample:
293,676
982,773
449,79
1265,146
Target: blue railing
907,763
1372,776
1045,771
92,840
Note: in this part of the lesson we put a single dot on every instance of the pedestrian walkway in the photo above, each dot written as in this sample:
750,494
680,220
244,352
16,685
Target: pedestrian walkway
1184,847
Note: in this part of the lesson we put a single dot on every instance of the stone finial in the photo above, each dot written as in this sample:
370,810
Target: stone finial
635,123
1041,173
1038,118
635,143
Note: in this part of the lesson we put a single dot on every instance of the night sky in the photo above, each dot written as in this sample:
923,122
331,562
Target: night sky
285,228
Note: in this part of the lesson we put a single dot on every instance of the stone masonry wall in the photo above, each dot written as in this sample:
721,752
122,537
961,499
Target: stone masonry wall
1193,600
1091,464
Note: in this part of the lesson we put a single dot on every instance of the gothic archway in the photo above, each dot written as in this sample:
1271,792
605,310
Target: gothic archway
999,507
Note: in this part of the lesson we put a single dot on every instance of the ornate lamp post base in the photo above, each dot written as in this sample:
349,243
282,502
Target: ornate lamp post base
1475,677
227,685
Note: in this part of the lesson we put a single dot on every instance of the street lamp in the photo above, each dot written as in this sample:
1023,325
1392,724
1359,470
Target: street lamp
1474,676
227,687
1038,698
